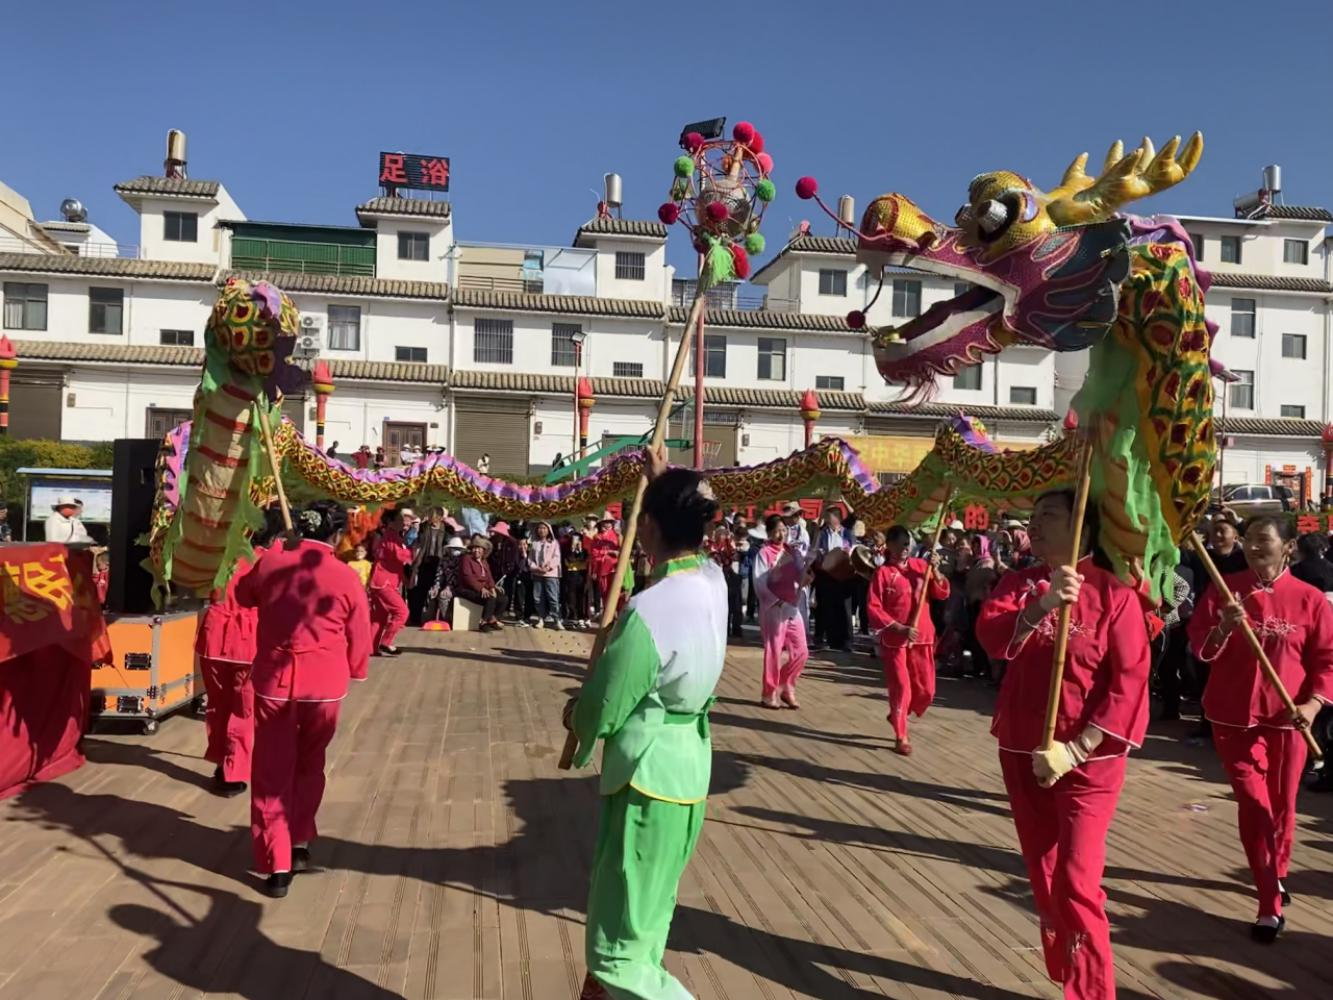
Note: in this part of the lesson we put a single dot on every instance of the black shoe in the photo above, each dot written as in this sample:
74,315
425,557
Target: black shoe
300,860
1286,895
1265,934
1168,715
227,789
277,884
390,651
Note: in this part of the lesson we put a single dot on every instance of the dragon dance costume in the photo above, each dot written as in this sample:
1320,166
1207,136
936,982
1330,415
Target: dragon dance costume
648,699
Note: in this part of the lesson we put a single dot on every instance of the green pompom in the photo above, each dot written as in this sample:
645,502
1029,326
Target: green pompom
765,190
754,243
685,166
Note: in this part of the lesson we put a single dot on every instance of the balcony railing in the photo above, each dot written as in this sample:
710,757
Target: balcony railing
496,283
730,296
12,244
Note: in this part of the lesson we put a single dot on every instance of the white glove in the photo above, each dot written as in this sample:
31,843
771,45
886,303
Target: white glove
1051,765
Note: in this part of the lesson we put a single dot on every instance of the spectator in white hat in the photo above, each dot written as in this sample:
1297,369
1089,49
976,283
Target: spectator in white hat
64,525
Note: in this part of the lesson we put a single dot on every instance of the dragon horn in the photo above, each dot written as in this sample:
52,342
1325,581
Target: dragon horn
1076,175
1138,174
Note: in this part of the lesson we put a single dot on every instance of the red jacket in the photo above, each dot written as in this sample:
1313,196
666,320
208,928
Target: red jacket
391,559
1294,622
227,631
314,623
1105,681
889,601
603,551
474,574
915,570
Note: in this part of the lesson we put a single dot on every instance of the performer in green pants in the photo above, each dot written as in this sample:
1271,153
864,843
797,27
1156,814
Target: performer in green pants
648,699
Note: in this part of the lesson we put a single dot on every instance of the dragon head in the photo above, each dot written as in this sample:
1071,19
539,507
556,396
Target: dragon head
251,335
1042,267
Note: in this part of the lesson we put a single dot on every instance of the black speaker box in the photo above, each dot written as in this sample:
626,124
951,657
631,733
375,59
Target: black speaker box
132,489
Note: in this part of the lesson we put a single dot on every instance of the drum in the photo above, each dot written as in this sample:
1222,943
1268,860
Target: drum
838,565
784,580
863,561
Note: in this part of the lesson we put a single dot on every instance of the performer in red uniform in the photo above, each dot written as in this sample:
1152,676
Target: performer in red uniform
1063,799
313,636
603,552
1252,730
921,648
889,606
391,559
226,647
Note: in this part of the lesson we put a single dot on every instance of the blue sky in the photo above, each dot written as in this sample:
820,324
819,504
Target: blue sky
534,102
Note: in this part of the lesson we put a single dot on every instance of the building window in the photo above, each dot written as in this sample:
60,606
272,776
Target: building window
410,355
1293,345
180,227
832,282
1242,390
834,383
344,328
962,288
627,369
25,306
715,355
176,338
629,265
1295,252
1293,412
906,298
969,378
564,352
494,342
106,310
414,246
1197,240
1242,317
772,359
1023,395
1230,250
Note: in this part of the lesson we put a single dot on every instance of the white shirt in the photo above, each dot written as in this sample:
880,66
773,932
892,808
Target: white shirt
60,528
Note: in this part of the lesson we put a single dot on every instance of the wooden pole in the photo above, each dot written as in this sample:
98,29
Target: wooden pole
612,602
930,569
1067,610
261,409
1224,592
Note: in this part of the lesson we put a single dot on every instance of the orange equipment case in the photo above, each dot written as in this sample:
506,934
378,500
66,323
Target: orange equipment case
154,670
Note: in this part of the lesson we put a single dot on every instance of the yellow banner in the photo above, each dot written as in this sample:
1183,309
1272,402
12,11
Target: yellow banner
890,453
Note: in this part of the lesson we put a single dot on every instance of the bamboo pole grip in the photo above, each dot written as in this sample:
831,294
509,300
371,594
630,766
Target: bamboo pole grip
632,520
930,568
1067,610
1257,647
264,428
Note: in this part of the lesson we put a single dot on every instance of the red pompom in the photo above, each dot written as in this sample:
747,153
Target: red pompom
669,212
740,261
756,144
694,141
806,188
765,163
1071,421
716,211
856,319
743,132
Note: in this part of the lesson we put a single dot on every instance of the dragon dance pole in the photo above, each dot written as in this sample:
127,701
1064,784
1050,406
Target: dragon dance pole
930,568
1256,647
261,410
698,337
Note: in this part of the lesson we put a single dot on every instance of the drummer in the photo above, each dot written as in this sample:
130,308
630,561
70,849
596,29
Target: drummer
829,560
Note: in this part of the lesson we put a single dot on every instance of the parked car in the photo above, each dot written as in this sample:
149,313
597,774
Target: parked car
1249,499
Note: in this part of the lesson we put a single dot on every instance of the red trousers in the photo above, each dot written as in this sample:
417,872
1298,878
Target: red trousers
1265,766
230,722
1062,834
921,675
291,740
782,635
388,615
898,682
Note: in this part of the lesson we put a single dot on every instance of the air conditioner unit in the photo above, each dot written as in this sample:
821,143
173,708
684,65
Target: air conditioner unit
308,343
311,322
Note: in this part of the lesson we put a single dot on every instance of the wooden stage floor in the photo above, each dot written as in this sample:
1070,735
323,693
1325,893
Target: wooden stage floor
455,856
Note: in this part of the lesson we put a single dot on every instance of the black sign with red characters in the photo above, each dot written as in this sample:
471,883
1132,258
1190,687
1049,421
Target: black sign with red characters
414,172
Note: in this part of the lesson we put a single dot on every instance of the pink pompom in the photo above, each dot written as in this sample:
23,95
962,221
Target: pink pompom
756,144
694,141
856,319
716,211
806,188
743,132
669,212
765,163
740,261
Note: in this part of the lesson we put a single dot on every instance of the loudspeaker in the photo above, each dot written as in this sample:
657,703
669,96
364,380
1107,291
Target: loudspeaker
134,461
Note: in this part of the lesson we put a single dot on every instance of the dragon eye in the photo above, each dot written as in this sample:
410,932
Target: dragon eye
992,216
963,217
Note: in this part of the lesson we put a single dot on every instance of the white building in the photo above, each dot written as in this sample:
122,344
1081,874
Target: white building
477,347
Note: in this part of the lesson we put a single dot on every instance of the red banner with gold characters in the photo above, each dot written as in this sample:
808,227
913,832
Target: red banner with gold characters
47,598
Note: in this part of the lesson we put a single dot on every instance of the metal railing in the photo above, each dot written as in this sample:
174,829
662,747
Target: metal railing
13,244
489,283
744,297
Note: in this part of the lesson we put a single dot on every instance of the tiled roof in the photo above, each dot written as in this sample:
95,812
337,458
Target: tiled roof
1270,426
621,227
151,354
841,245
939,410
173,187
781,399
584,305
346,284
404,206
122,267
1269,282
1308,213
765,319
